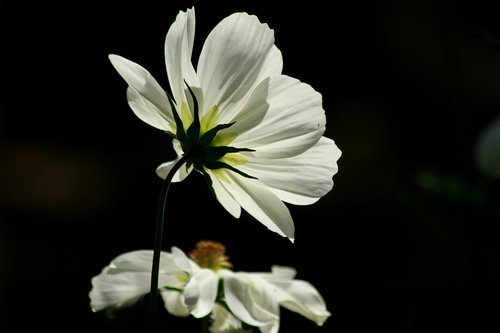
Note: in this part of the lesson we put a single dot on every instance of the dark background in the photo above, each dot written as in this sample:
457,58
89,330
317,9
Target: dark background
407,240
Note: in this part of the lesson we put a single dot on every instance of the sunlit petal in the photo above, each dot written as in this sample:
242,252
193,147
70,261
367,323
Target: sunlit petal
293,123
232,59
147,111
260,202
224,196
118,290
178,51
125,280
144,84
317,165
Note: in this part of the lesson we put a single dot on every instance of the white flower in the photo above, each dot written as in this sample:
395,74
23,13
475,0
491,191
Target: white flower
255,134
187,288
128,278
255,297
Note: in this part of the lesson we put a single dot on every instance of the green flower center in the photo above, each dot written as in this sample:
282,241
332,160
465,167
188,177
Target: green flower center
201,144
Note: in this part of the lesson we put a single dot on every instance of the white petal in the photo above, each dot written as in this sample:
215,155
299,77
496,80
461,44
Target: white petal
272,327
250,299
178,51
118,290
200,292
273,64
144,84
302,179
224,321
224,197
147,111
181,260
260,202
294,121
163,169
252,112
232,59
284,272
299,296
174,303
135,261
128,277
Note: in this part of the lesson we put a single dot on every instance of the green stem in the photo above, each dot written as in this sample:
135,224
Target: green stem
160,217
204,324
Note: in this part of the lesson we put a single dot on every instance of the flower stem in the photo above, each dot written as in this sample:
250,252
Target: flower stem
160,217
204,324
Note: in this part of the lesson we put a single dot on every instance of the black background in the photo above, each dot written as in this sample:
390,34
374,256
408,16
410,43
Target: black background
407,240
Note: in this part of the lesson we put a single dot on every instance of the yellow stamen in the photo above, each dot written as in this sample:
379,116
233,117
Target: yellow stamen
210,254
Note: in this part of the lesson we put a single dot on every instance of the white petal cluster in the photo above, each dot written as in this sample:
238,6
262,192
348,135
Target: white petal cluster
187,289
277,119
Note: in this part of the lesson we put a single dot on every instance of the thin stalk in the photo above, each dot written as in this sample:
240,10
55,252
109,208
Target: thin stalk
160,218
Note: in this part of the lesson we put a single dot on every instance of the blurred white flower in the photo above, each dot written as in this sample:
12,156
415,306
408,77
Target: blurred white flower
255,134
127,279
188,288
488,150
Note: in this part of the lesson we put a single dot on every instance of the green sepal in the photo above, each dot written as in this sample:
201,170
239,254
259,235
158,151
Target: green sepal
220,165
217,152
207,137
170,134
180,133
193,132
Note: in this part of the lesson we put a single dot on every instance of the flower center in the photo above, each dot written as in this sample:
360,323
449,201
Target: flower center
210,254
202,142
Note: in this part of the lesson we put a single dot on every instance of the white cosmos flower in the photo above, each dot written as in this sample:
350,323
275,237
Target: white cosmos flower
188,288
255,134
128,278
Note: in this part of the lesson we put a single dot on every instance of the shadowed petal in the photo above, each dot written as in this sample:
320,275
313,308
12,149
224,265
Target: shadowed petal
174,303
251,301
200,292
163,169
